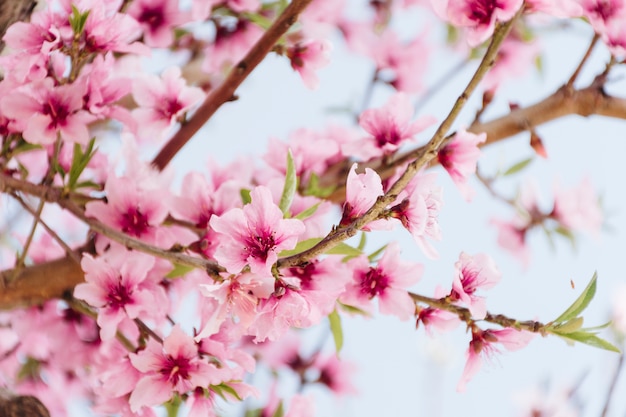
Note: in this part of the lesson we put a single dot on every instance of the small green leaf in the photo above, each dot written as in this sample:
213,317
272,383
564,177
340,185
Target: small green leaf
301,247
80,161
308,212
589,339
566,233
353,310
77,20
313,187
335,327
570,326
362,242
280,411
291,183
224,388
178,271
344,249
255,412
581,302
517,167
245,196
375,254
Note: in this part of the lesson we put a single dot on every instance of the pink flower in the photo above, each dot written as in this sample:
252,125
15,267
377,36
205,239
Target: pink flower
158,19
232,42
477,16
512,237
43,34
307,57
362,191
390,126
482,344
117,286
387,282
336,374
174,367
301,406
162,101
44,111
602,12
472,273
578,208
557,8
418,211
255,234
459,158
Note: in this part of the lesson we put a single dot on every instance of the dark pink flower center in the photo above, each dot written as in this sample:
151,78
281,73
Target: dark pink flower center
152,17
171,108
374,282
176,369
259,246
469,280
391,136
444,157
604,9
57,111
228,29
119,296
305,273
481,11
134,222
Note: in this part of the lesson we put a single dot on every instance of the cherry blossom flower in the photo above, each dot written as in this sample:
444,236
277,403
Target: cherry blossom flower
174,367
116,287
336,374
512,237
472,273
162,101
387,281
158,19
43,111
602,12
301,406
362,191
482,345
307,57
478,17
255,234
459,158
578,208
557,8
418,211
232,42
390,127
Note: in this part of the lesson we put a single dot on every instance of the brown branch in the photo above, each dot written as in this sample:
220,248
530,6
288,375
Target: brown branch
225,92
12,11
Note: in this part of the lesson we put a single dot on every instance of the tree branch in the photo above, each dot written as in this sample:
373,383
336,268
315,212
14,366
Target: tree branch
225,92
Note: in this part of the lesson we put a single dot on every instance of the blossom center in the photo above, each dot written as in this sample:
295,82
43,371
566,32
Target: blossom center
119,296
57,111
388,136
152,17
482,10
176,369
374,282
259,246
134,222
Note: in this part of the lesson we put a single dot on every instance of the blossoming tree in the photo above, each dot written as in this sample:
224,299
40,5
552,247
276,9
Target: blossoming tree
125,291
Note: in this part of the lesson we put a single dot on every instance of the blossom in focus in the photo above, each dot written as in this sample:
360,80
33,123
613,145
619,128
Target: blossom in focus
459,158
387,282
472,273
362,191
255,234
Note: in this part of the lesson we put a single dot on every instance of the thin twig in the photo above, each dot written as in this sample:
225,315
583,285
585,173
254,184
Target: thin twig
582,62
340,234
19,263
226,90
72,254
144,328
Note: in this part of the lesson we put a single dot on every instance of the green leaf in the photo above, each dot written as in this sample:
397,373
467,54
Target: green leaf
344,249
375,254
570,326
255,412
581,302
353,310
566,233
291,183
173,405
280,411
517,167
178,271
77,20
308,212
589,339
245,196
301,247
335,327
362,242
80,161
313,187
259,20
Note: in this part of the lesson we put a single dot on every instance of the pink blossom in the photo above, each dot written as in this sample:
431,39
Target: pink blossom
43,111
362,191
307,57
512,237
134,207
116,287
390,126
301,406
602,12
478,17
162,101
482,344
336,374
174,367
557,8
232,42
472,273
44,33
387,282
578,208
255,234
418,211
515,58
158,18
459,158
